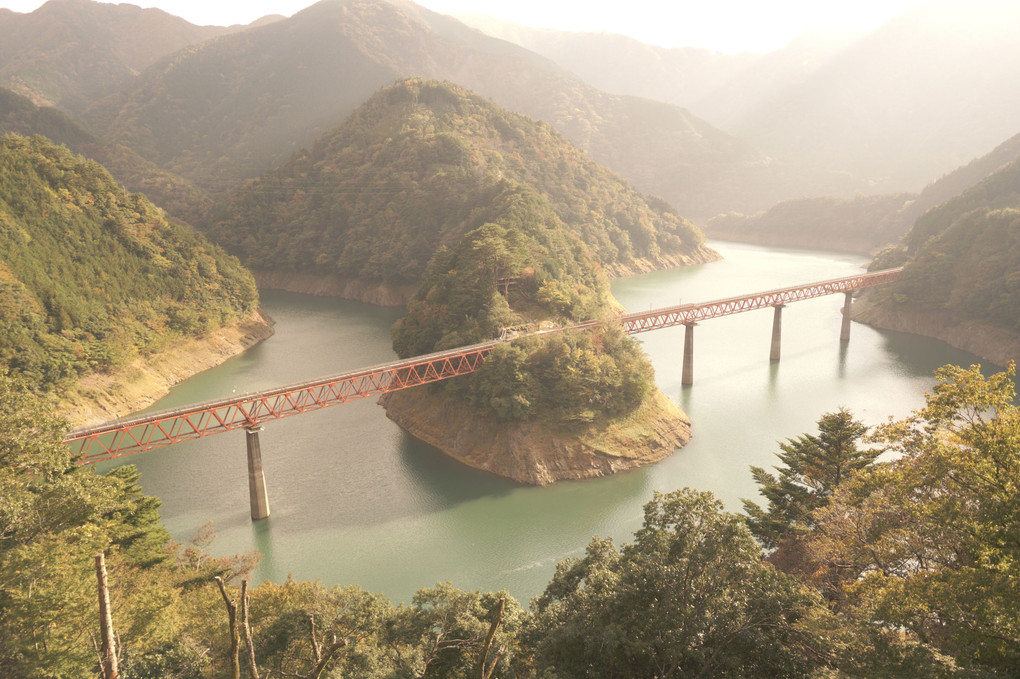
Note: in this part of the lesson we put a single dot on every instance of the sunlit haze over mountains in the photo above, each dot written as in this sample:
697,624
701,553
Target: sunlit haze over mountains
724,25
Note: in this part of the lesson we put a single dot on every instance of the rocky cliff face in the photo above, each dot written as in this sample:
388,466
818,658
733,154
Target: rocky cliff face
531,454
102,397
991,344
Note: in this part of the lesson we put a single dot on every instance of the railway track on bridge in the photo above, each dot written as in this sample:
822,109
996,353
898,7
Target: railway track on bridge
248,411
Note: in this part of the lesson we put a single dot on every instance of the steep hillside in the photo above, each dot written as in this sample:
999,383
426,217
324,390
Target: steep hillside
176,195
962,277
92,277
69,53
922,95
233,107
416,167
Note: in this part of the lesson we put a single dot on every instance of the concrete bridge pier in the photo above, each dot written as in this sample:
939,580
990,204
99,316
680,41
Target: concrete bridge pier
688,373
844,332
256,479
777,333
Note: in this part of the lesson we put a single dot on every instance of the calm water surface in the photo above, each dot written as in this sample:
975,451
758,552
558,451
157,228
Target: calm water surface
354,500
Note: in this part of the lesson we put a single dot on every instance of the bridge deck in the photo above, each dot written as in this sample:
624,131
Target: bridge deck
164,428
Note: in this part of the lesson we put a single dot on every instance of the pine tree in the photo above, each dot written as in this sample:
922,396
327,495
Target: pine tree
812,468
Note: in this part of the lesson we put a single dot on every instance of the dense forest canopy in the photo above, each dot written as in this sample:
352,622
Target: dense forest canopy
419,165
91,276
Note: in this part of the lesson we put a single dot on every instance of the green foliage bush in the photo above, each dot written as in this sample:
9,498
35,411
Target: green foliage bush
91,276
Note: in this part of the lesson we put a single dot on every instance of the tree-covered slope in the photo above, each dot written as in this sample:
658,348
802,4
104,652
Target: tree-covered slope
417,167
233,107
91,276
963,257
178,196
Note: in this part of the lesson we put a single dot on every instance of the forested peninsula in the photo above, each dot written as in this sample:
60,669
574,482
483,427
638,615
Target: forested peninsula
500,226
104,303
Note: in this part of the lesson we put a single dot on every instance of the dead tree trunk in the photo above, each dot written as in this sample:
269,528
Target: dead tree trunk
253,671
234,639
321,659
109,650
485,671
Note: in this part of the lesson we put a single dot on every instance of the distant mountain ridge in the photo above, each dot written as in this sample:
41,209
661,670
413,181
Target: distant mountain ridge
861,224
920,96
882,113
68,53
227,109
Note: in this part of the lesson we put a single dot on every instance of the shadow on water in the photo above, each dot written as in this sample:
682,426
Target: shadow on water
844,351
919,356
448,481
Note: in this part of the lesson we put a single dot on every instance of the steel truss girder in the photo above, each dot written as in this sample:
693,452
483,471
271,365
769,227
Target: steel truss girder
686,314
133,435
157,430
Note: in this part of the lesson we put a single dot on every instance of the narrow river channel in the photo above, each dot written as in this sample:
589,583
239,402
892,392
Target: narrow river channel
355,500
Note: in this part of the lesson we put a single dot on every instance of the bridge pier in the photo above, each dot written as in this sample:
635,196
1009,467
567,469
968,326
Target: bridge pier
777,333
844,331
688,372
256,478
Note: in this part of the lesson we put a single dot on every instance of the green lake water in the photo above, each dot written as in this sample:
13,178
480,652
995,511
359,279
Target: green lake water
355,500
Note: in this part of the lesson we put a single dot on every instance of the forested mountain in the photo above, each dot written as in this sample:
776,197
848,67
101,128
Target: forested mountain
863,224
69,53
176,195
92,276
962,271
419,165
233,107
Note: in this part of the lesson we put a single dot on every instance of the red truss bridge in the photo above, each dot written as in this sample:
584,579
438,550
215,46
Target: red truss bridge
250,411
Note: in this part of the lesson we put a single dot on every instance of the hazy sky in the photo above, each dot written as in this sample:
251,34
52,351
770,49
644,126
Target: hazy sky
723,25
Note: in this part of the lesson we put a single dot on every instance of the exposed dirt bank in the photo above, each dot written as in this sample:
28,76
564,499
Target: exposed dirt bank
991,344
383,294
100,398
702,255
380,294
531,454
